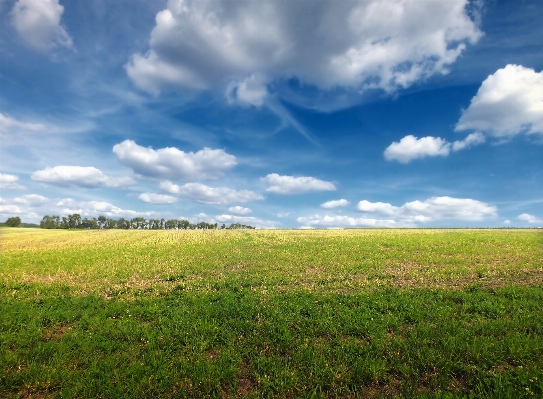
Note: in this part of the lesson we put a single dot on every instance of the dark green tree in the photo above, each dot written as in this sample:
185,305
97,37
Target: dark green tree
13,221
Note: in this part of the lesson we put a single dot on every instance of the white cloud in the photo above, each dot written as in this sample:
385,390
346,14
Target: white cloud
365,44
382,208
25,208
432,209
68,206
343,221
526,217
283,215
410,148
295,185
38,24
172,163
9,182
79,176
507,221
119,181
473,139
508,102
209,195
9,209
239,210
31,200
8,123
335,204
247,220
381,214
250,91
159,199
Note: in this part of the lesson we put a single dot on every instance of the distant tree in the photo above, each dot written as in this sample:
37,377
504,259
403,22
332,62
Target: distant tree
122,223
74,221
13,221
102,221
239,226
64,224
138,223
90,223
171,224
49,222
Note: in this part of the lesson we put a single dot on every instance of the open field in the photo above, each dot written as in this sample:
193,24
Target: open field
335,313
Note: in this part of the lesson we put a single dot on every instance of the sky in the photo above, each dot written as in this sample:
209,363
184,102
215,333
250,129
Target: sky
275,114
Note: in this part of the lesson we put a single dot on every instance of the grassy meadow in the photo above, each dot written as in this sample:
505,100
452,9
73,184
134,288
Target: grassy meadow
274,314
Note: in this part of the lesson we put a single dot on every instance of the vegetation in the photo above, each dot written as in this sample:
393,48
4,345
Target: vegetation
139,223
252,313
13,221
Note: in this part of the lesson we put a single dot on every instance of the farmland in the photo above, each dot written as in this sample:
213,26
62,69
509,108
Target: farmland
298,313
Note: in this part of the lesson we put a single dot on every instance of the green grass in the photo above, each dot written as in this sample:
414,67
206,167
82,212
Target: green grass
353,313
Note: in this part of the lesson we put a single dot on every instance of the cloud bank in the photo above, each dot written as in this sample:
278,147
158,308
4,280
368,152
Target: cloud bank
172,163
295,185
382,214
38,24
432,209
239,210
198,44
209,195
79,176
9,182
526,217
158,199
335,204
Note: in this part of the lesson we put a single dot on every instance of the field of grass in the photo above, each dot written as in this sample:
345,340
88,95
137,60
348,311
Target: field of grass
288,314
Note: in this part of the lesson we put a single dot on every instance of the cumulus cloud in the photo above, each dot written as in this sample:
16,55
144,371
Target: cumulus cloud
432,209
31,200
472,139
247,220
25,207
158,199
526,217
9,182
295,185
10,209
172,163
68,206
343,221
335,204
79,176
508,102
8,123
38,24
382,214
250,91
239,210
365,44
411,147
209,195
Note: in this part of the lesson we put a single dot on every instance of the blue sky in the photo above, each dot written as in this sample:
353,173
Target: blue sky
275,114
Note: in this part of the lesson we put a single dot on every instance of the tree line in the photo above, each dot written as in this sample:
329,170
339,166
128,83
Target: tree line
101,222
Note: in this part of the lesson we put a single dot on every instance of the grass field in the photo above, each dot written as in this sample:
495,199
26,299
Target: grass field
288,314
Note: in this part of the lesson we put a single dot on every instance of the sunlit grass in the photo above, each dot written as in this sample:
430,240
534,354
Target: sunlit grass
298,313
